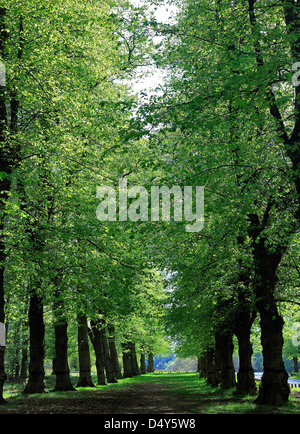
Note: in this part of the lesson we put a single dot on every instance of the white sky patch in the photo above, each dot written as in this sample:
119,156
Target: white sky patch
164,14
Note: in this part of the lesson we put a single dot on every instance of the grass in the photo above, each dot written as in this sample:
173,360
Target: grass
187,388
214,400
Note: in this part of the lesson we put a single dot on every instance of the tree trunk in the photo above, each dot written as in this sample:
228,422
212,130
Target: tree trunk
85,379
3,375
150,366
36,381
143,363
274,388
295,362
135,370
113,352
110,372
17,365
203,364
245,376
126,361
62,371
208,363
97,342
61,365
224,361
23,374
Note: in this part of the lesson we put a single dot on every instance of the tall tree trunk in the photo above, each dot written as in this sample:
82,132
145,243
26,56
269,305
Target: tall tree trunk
200,368
17,365
110,372
274,388
62,371
135,370
61,366
36,381
126,360
85,379
113,351
209,368
97,342
245,376
295,363
224,361
23,373
150,365
143,362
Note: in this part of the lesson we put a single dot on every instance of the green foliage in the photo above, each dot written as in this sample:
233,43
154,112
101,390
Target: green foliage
70,67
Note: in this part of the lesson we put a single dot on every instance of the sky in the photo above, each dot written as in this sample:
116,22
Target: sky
163,14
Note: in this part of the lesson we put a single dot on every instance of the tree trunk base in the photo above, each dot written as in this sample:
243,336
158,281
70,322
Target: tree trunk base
274,389
85,383
63,383
246,383
113,380
36,384
101,380
228,378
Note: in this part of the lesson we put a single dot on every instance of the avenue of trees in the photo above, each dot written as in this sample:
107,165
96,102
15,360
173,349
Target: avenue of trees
226,117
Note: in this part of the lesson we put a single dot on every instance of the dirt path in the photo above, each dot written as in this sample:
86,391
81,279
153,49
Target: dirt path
145,398
163,395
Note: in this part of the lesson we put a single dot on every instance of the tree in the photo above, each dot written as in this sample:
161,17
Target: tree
237,118
62,102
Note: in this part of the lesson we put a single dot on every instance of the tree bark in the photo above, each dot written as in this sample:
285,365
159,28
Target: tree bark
200,368
224,362
126,361
97,342
274,388
209,368
295,363
135,370
245,376
110,372
24,359
150,366
62,371
113,352
143,363
85,379
243,323
36,381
